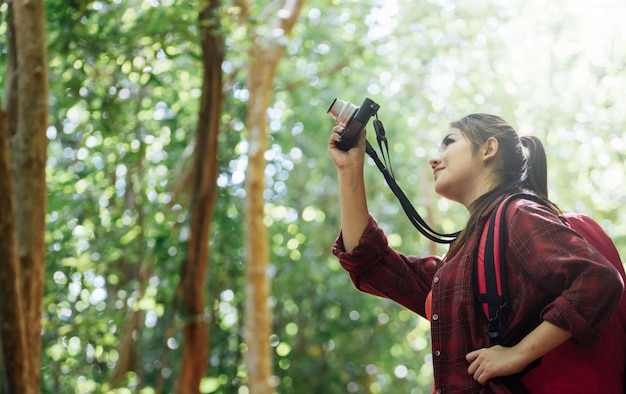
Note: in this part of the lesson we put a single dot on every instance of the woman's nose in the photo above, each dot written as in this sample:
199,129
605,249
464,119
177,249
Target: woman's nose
434,162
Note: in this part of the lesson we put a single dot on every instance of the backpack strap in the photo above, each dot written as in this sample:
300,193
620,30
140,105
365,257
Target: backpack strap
490,272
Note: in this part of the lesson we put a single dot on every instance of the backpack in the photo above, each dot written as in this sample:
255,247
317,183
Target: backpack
552,373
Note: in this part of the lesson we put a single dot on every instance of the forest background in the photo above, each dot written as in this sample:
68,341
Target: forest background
191,204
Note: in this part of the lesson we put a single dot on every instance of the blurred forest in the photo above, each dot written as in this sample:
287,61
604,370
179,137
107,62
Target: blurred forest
124,98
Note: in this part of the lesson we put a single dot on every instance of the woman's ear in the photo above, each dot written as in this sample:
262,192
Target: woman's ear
490,148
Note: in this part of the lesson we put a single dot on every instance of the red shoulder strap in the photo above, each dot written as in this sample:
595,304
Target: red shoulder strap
491,269
489,261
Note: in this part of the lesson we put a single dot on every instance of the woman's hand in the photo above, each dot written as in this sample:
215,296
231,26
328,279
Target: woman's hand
496,361
493,362
353,157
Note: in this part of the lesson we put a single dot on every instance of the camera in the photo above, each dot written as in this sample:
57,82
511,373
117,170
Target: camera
352,118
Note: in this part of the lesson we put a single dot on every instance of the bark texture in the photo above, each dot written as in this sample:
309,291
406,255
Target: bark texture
23,204
264,57
204,193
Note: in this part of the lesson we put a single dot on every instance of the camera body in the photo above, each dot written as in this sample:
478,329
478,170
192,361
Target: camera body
352,118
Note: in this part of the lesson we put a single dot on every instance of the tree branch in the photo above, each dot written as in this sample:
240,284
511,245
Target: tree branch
289,15
244,8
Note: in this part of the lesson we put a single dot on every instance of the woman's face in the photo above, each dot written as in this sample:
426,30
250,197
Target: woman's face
456,168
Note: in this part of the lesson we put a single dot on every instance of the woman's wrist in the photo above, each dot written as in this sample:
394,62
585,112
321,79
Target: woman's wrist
352,176
538,342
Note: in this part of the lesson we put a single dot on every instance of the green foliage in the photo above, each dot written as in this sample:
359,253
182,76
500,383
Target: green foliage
124,93
122,111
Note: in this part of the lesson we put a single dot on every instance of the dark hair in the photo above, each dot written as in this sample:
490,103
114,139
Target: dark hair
537,171
520,165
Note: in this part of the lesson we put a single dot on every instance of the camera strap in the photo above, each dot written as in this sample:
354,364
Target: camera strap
381,138
418,222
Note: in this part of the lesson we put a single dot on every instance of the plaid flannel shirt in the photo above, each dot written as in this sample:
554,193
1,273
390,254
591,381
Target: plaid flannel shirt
553,274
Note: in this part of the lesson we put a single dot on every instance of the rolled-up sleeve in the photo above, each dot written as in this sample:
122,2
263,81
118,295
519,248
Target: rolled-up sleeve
377,269
585,287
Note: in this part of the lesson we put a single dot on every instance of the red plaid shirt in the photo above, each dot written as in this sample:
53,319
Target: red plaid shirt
552,274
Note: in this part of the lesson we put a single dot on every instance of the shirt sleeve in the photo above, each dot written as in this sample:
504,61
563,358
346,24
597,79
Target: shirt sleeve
377,269
600,240
586,288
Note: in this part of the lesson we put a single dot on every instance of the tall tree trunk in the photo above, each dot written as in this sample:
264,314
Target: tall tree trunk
257,314
12,332
204,193
23,150
264,57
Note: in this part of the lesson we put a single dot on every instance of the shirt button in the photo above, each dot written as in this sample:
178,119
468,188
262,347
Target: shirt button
438,391
437,353
435,317
436,280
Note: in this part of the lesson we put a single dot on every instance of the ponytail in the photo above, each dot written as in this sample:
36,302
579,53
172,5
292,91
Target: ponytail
536,178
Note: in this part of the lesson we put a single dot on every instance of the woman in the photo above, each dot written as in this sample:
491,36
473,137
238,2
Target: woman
558,286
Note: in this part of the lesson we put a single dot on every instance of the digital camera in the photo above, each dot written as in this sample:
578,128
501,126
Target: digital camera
352,118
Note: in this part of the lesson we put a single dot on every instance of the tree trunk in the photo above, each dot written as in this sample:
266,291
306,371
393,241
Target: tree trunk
12,332
204,193
257,313
23,203
264,57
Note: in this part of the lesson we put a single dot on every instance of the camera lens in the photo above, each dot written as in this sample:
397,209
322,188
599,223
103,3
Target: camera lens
342,111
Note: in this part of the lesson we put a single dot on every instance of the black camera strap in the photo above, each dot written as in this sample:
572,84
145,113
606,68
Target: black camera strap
415,218
381,138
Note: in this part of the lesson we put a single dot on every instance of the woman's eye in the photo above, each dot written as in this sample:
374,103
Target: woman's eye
447,141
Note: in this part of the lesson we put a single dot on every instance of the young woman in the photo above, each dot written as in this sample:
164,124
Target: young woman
559,287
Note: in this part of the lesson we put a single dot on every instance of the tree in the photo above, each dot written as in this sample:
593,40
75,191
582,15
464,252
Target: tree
204,193
23,161
264,56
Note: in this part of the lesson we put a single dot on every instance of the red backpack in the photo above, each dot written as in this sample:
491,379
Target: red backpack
600,368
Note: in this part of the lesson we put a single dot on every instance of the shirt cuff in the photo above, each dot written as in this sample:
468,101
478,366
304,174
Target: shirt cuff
369,250
563,314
